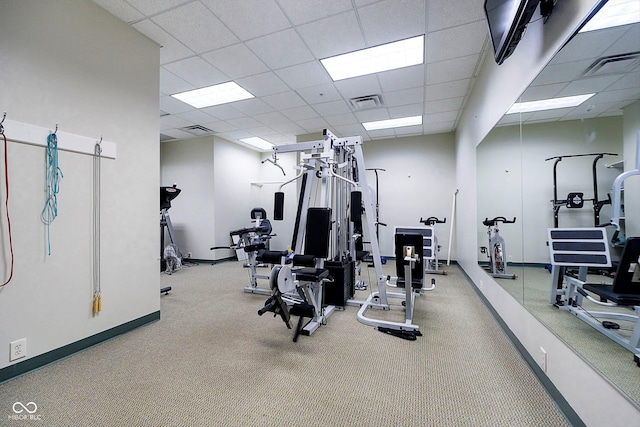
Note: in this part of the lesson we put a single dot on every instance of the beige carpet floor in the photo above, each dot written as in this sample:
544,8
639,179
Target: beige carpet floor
212,361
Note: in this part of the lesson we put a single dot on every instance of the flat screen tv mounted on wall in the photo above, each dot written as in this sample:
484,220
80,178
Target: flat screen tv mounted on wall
507,21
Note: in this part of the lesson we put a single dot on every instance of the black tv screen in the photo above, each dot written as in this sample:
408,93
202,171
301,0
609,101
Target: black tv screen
507,21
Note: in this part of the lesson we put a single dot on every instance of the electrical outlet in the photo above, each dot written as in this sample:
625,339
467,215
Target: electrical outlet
543,359
17,349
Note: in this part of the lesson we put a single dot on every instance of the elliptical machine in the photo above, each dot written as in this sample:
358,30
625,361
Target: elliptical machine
497,250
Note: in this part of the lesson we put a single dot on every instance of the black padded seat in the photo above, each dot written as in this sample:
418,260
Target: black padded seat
310,274
256,247
272,257
606,292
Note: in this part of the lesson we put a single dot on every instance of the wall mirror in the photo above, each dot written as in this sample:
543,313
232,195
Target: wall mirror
586,145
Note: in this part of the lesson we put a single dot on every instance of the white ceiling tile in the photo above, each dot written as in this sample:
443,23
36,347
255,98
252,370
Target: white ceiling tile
319,94
447,90
304,75
245,122
196,27
451,70
441,127
281,49
171,49
355,129
358,86
249,18
220,126
333,107
446,13
454,42
588,85
303,11
381,134
534,93
408,130
591,44
562,72
284,100
235,61
443,105
402,78
392,20
615,95
271,118
171,105
151,7
448,116
263,84
287,127
252,106
333,36
171,121
341,119
300,113
223,112
372,115
406,110
196,71
177,133
403,97
629,81
316,124
120,9
196,116
170,83
629,42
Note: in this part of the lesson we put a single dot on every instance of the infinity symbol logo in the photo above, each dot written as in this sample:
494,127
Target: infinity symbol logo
21,407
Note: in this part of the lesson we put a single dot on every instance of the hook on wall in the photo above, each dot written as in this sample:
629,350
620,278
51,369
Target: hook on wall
4,116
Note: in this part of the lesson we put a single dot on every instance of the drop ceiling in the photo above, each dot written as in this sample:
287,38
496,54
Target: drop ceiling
272,48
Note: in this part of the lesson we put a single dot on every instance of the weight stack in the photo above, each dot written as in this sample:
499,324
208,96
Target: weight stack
343,286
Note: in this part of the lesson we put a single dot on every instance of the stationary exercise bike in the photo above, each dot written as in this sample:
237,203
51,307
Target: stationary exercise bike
497,251
432,265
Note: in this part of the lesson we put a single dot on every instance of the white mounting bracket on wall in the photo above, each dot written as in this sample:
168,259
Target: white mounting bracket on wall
25,133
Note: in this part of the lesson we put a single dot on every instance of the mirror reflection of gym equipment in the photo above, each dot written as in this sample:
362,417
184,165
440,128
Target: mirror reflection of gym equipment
575,200
497,249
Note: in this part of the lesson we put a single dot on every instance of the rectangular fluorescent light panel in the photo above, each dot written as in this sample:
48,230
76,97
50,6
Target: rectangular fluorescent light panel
385,57
393,123
613,14
258,143
549,104
213,95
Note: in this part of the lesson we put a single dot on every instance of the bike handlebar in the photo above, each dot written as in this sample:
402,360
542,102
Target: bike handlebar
491,222
432,220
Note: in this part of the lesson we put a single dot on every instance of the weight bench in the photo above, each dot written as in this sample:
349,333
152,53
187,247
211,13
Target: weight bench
297,290
589,247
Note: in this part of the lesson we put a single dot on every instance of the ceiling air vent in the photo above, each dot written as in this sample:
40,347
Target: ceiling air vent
614,64
366,102
197,130
163,113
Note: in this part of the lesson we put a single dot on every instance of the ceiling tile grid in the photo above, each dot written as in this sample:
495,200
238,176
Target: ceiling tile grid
273,48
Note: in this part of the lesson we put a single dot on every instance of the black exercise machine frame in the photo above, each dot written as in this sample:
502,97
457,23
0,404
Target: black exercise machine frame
569,202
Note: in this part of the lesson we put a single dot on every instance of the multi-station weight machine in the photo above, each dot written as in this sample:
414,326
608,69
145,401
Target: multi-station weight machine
334,200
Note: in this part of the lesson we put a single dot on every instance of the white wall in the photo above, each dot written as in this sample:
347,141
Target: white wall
68,62
495,89
221,183
418,181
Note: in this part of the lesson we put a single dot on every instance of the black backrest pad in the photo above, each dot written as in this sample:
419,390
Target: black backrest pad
627,280
415,240
316,239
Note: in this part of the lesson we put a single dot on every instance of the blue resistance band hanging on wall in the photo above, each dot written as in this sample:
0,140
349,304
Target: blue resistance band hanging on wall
50,210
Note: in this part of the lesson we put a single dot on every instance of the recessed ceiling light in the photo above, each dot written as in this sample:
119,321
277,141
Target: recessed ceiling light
258,143
213,95
549,104
613,14
393,123
385,57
